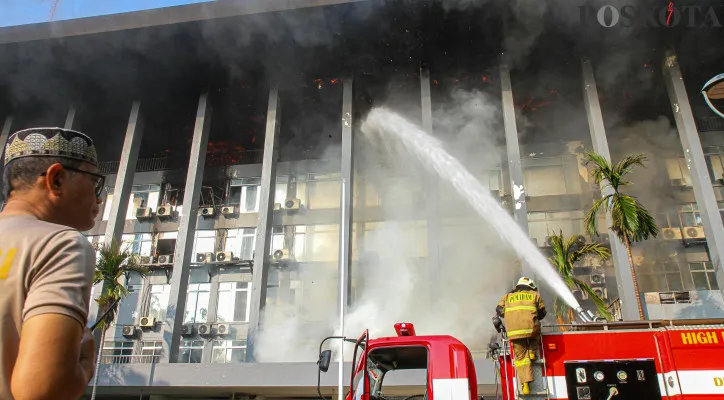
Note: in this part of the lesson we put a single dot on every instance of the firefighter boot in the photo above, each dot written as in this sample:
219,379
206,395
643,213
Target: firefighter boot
525,389
532,355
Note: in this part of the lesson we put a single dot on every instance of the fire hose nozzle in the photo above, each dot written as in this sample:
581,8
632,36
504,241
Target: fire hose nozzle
585,316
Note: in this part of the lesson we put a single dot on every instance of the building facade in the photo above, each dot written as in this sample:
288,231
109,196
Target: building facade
238,170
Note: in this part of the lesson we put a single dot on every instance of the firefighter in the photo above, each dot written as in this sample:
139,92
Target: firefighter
523,309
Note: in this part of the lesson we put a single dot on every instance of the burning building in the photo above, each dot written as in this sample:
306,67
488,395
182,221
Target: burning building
230,135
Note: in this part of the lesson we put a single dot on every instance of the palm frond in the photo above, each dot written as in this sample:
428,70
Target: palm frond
591,219
595,249
624,167
601,305
602,169
647,224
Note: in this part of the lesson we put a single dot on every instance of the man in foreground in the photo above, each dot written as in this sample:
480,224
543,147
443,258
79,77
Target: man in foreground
523,309
53,191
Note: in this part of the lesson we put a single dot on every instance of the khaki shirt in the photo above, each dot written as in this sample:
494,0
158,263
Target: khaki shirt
520,310
44,269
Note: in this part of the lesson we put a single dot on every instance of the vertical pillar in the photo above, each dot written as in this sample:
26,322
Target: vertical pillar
4,133
345,225
624,275
70,118
124,177
515,169
433,202
123,185
265,221
186,232
695,161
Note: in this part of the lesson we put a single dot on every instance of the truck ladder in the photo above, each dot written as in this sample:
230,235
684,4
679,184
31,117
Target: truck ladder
539,386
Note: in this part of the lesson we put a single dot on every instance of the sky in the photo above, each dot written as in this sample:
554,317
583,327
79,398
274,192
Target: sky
20,12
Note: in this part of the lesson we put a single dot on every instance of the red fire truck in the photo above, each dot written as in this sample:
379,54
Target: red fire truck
591,361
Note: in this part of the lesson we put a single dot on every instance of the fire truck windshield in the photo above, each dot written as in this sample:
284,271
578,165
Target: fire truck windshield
382,361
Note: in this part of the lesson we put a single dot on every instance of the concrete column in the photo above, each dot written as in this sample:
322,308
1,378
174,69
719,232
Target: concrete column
4,134
433,201
70,118
515,169
624,276
265,221
346,199
126,170
186,232
123,185
695,161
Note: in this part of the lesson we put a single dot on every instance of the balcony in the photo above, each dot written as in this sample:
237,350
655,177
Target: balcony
130,359
143,165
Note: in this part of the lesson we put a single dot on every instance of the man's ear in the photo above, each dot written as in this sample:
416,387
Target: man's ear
54,178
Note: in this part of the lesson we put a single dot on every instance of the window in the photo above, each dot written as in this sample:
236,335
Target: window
281,186
689,215
300,236
241,242
119,352
204,242
191,351
150,351
544,180
660,277
323,190
277,242
543,224
703,275
197,303
245,192
158,301
138,243
234,302
714,156
228,351
678,172
127,308
141,196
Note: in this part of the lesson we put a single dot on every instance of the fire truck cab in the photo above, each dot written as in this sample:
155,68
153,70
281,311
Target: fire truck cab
450,372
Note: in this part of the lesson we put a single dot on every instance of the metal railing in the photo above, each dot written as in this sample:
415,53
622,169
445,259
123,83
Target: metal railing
143,165
165,163
615,309
130,359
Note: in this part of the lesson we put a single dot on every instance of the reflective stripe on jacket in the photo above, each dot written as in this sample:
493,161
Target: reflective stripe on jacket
520,310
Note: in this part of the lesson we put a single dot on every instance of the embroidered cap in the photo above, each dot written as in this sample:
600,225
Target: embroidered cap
50,142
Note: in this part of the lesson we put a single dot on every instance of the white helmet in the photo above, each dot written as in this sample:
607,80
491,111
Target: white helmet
525,281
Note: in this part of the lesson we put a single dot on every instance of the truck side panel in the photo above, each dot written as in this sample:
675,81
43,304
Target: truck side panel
698,360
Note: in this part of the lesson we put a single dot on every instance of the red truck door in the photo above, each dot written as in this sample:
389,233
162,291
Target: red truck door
696,363
359,382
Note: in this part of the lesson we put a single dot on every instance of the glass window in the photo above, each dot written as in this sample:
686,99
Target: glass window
703,275
241,242
544,180
245,192
277,239
150,350
118,352
158,301
138,243
141,196
689,215
197,303
204,242
234,302
191,351
127,308
228,351
543,224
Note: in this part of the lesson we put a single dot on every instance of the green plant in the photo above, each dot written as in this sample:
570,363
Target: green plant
112,264
564,255
630,220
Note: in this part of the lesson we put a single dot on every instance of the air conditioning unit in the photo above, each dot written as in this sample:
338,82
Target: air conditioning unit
224,256
204,329
277,206
187,330
222,329
228,211
145,260
694,233
592,261
164,211
205,258
129,331
292,204
598,279
165,259
282,255
671,233
549,241
601,292
580,295
148,322
143,213
208,212
638,260
677,182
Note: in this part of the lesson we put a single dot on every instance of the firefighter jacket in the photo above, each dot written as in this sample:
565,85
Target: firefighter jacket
522,310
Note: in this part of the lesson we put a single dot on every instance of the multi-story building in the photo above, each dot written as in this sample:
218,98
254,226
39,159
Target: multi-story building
231,134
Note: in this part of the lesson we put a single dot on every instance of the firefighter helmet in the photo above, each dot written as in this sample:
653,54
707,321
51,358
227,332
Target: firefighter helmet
525,281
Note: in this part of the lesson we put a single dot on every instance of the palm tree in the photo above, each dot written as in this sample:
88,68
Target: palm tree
113,262
631,221
564,255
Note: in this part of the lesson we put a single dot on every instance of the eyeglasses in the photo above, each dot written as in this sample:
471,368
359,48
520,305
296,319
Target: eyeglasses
100,179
